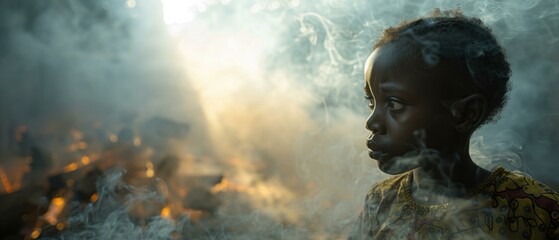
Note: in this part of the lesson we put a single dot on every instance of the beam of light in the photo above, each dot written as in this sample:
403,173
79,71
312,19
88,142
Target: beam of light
181,11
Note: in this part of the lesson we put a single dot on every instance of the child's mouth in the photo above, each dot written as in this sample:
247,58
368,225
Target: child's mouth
377,155
374,150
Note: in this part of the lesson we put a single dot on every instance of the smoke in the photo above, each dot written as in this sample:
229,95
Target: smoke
66,64
113,215
271,92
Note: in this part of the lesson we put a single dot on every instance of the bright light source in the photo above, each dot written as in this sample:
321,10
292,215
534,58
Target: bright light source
179,11
131,3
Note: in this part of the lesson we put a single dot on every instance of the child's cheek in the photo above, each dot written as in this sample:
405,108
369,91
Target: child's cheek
410,118
405,128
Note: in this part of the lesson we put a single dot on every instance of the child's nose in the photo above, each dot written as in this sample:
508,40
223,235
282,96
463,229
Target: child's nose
374,124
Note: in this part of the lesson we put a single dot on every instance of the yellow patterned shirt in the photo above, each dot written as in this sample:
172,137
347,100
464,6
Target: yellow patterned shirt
506,205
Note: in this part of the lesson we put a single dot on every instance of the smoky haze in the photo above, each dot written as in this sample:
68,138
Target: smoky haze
270,92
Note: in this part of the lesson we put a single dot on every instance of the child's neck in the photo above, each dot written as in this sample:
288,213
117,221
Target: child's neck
454,178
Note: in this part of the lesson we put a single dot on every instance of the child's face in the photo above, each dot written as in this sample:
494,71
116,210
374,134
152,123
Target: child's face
405,105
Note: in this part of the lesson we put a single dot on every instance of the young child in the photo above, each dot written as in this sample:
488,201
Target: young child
431,83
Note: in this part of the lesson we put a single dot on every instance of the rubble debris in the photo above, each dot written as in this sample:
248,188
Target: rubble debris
50,193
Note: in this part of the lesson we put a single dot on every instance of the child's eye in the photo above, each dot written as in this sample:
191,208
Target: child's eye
395,105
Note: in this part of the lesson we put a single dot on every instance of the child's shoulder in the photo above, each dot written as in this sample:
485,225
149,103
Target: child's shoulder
517,182
516,186
528,199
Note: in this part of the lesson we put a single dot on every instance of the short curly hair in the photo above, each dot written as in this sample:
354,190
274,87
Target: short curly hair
465,40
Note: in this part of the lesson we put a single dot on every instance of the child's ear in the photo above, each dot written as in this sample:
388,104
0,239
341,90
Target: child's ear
469,112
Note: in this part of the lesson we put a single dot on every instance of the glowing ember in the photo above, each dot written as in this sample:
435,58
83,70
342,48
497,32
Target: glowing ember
70,167
85,160
226,185
166,212
55,208
94,197
5,182
77,146
36,233
149,169
60,226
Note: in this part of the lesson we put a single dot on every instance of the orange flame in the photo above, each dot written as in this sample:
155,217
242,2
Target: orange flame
70,167
55,208
36,233
226,185
166,212
85,160
94,197
5,182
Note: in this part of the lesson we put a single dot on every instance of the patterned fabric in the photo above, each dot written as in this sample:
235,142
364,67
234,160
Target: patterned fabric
505,206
